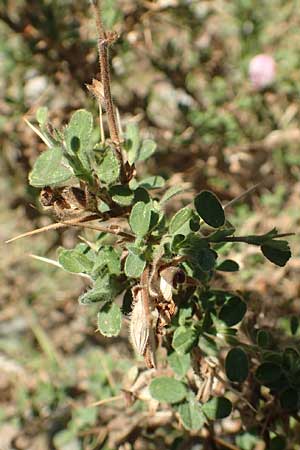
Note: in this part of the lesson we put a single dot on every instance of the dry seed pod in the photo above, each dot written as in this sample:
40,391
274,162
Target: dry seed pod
209,384
139,328
169,278
97,90
67,202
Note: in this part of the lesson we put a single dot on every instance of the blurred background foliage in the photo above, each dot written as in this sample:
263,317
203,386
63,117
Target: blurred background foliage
180,70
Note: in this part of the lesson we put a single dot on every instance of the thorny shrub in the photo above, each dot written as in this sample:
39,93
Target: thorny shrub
161,273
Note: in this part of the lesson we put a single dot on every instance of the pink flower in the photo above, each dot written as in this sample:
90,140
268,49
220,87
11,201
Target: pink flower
262,70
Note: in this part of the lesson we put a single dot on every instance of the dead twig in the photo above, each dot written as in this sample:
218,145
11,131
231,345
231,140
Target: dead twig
106,400
78,222
54,226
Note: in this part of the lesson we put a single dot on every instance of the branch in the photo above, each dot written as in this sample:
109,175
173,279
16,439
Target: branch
253,240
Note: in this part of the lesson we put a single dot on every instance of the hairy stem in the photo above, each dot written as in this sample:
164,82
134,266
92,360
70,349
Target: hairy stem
103,44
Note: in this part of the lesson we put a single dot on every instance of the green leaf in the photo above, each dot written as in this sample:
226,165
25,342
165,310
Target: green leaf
233,311
134,265
127,303
141,195
268,372
122,195
278,443
197,248
228,266
64,437
184,339
146,150
210,209
106,289
278,252
42,115
48,169
109,320
221,326
108,168
206,258
191,415
290,359
133,142
78,135
208,345
179,363
185,312
289,399
170,193
111,13
113,260
180,221
247,441
274,357
217,408
154,182
84,417
75,262
263,339
140,218
109,257
236,365
166,389
294,325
